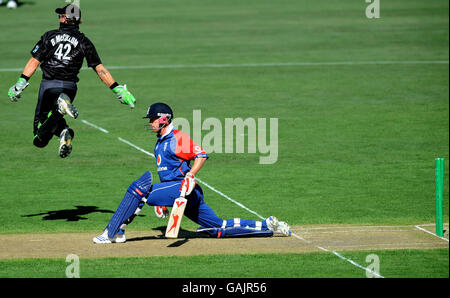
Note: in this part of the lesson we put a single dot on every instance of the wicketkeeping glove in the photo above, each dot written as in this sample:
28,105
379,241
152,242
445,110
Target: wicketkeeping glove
124,95
14,91
188,183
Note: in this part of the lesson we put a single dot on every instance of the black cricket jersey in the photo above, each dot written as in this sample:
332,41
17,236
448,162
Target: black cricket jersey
61,53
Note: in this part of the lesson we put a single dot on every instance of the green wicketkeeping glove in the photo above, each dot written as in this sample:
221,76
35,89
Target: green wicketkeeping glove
124,95
14,91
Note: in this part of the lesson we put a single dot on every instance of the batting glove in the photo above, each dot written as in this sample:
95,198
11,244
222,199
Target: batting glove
14,91
188,183
161,211
124,95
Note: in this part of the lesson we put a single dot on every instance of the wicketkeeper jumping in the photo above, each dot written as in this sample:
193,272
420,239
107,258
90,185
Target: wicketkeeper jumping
60,53
174,151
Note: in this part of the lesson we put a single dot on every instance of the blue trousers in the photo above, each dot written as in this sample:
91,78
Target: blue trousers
165,193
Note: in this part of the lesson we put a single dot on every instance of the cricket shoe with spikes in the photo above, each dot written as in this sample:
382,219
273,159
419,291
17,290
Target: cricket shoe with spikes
104,239
279,227
65,106
283,228
272,223
65,143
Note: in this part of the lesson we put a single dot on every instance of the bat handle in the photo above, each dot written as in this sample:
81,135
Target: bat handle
183,193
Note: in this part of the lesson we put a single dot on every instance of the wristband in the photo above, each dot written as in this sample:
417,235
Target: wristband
24,77
114,85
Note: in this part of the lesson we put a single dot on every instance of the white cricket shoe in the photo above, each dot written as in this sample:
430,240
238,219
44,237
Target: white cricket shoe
279,227
65,143
11,4
104,239
65,106
283,228
272,223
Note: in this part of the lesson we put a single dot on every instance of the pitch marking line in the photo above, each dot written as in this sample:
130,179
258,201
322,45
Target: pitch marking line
135,147
426,231
230,199
94,126
414,245
268,64
249,210
280,64
355,231
346,228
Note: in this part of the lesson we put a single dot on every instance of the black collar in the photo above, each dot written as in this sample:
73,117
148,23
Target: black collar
69,26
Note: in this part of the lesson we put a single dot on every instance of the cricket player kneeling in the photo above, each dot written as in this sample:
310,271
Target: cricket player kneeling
174,151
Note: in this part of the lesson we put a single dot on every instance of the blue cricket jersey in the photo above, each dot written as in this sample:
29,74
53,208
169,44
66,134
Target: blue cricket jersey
174,152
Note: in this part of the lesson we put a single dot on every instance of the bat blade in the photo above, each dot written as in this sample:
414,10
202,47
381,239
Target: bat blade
176,215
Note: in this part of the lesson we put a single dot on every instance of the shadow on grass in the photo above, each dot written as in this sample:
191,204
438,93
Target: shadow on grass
70,214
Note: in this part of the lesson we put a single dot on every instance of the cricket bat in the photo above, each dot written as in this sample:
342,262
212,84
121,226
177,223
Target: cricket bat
173,226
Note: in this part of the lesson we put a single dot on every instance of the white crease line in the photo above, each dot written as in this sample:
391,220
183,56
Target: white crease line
307,241
95,126
229,199
356,264
355,231
431,224
422,229
181,66
338,255
268,64
251,211
395,245
358,227
136,147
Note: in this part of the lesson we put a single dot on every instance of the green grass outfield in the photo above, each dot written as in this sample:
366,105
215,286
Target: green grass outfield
356,142
395,264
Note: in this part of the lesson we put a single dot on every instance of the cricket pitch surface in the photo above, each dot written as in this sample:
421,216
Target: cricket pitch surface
152,243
